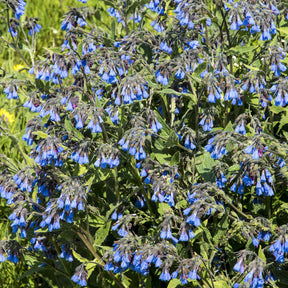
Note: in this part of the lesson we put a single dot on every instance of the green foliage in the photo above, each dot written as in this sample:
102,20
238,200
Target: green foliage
229,221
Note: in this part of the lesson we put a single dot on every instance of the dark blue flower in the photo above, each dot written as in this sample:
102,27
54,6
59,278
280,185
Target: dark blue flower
206,123
12,30
12,257
19,8
34,29
66,253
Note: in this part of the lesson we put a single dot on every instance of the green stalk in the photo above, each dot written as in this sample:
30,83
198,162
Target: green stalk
62,261
96,256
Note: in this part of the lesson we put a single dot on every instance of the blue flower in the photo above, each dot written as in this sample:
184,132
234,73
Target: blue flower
180,74
156,6
12,257
114,13
165,275
233,95
94,125
206,123
265,35
19,9
158,26
214,94
12,30
2,257
79,279
236,22
193,274
255,242
35,28
220,182
193,220
80,157
114,115
11,92
164,47
162,78
277,68
240,266
193,44
208,22
66,253
184,17
240,128
140,202
189,143
108,266
136,17
28,136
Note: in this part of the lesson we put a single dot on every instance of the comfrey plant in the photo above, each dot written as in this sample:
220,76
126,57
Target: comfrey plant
157,149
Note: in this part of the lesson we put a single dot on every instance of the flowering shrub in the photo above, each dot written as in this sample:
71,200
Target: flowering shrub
158,147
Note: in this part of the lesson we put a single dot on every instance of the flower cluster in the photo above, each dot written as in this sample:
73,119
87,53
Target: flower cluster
48,152
11,92
80,276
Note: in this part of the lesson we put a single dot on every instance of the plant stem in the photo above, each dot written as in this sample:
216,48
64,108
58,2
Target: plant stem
115,172
136,175
96,256
14,41
61,260
210,275
268,207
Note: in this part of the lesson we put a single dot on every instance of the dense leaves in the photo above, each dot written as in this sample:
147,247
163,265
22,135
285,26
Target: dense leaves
156,151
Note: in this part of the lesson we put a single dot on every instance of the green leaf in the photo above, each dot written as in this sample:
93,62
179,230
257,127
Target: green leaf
148,56
229,127
70,128
102,233
173,92
165,131
285,134
221,284
277,109
40,134
161,157
200,68
242,49
40,85
79,257
90,181
261,254
205,166
174,283
33,269
80,47
164,207
175,158
221,230
90,268
56,50
172,140
251,67
283,30
283,121
113,29
82,170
